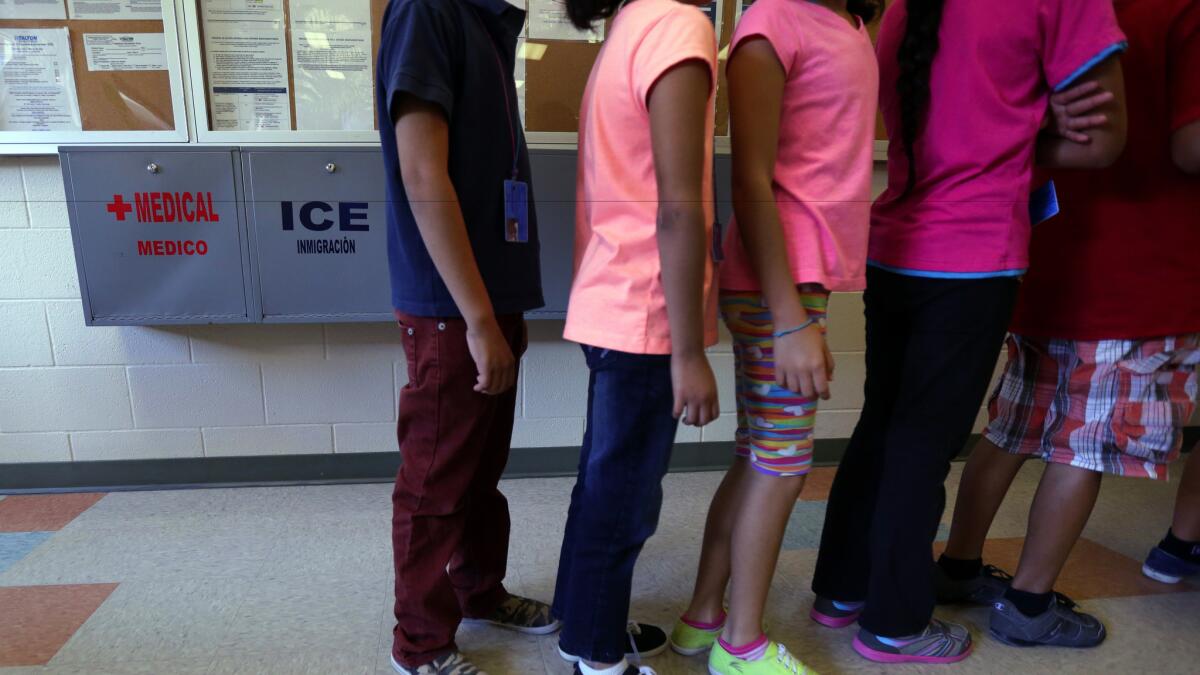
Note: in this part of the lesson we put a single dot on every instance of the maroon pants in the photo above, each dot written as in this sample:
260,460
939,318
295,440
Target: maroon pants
449,521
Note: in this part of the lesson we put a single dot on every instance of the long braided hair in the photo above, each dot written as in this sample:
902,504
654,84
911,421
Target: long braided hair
916,54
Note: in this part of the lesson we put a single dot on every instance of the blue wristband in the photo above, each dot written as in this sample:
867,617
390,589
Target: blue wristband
784,333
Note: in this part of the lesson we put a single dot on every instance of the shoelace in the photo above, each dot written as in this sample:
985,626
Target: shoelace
788,661
631,629
1064,600
997,573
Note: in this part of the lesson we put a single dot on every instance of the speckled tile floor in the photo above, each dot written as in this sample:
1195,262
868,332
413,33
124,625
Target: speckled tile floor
297,580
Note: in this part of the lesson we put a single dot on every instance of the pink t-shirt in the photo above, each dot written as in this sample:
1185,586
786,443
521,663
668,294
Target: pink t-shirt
617,299
826,141
991,80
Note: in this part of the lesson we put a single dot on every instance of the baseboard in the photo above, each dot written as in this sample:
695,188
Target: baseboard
165,474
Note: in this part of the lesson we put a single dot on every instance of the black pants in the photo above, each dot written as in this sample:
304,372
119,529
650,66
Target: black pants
932,346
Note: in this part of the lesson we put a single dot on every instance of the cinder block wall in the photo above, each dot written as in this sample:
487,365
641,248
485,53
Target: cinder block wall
72,393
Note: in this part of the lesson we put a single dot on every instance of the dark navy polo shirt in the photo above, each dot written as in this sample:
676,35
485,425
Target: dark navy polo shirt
446,52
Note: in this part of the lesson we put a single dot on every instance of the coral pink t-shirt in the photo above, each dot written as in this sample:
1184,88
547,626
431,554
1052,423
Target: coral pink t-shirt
992,78
826,141
617,299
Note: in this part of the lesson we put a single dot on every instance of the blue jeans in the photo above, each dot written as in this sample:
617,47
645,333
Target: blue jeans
616,500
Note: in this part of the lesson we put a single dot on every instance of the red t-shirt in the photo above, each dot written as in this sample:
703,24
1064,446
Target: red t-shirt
1122,260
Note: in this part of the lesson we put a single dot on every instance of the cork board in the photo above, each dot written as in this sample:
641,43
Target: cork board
377,9
554,84
115,101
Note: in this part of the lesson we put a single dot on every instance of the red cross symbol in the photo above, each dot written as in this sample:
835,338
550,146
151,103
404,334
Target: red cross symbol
120,208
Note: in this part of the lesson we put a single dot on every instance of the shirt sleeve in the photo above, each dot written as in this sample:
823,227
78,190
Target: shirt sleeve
419,43
684,34
1077,35
1183,67
762,20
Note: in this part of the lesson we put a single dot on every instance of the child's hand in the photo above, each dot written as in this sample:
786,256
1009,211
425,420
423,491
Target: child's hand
695,390
493,358
803,363
1073,111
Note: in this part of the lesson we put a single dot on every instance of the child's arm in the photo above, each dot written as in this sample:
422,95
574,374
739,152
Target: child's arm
422,135
756,83
1061,149
678,105
1185,148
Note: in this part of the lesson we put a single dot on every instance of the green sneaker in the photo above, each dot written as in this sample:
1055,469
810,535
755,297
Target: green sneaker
687,640
776,661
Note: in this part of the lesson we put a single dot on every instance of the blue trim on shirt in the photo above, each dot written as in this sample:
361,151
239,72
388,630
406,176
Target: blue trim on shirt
1092,63
927,274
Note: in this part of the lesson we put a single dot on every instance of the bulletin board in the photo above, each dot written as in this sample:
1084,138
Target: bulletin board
115,106
555,82
365,132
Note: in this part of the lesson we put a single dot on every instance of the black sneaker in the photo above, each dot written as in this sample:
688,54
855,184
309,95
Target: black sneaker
1059,626
984,589
645,641
631,670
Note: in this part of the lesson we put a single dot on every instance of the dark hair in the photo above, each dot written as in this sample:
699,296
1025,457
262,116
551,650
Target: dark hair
866,10
916,54
585,12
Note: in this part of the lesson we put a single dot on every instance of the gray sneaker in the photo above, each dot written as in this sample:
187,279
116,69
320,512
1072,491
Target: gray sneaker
1060,626
940,642
453,663
983,590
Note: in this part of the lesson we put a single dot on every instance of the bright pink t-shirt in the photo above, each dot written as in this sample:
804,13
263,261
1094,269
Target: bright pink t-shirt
826,141
995,69
617,299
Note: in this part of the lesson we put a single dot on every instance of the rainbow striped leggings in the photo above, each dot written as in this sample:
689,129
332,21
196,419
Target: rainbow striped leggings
775,426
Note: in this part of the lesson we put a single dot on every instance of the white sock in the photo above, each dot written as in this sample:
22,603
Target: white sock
618,669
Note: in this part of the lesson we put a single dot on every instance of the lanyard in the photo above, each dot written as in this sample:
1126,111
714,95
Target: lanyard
512,128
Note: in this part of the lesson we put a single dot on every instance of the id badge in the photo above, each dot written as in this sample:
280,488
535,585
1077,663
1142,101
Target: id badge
1043,204
516,212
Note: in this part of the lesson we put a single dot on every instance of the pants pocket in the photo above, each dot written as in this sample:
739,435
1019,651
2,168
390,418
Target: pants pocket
1161,398
408,338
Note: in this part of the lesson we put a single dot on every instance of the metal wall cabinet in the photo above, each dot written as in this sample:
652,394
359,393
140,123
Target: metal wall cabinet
179,235
159,235
554,195
318,228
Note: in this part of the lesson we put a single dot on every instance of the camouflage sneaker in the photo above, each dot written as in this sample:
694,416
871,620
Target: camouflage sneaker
1059,626
940,642
522,615
983,590
453,663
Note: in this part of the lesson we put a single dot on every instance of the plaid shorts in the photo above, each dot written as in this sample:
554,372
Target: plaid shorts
1112,406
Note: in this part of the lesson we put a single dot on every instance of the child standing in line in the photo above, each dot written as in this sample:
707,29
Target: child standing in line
1102,368
964,92
455,155
643,306
804,87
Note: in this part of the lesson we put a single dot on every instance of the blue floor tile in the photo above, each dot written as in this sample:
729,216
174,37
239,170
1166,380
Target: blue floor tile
17,545
807,521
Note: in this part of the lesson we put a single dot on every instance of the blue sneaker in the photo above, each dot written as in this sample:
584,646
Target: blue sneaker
1168,568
